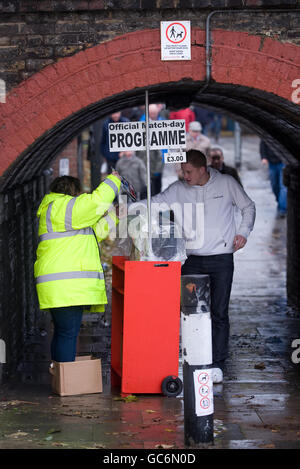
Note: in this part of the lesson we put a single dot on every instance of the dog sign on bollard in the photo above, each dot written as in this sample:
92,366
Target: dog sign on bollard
197,359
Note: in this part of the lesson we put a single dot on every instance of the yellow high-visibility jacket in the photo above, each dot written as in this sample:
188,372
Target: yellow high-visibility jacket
68,269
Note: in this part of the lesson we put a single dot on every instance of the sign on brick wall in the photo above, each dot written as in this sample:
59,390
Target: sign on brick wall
175,38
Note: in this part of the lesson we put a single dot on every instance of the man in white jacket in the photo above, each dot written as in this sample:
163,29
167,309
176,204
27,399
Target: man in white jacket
204,205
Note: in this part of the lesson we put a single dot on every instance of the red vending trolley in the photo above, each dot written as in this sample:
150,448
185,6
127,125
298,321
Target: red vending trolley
145,326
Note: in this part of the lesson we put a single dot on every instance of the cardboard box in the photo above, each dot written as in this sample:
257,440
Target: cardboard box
83,376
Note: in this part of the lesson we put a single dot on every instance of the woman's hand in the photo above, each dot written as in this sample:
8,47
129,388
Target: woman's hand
115,173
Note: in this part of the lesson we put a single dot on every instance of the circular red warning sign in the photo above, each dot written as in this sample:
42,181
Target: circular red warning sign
176,33
205,403
204,390
203,378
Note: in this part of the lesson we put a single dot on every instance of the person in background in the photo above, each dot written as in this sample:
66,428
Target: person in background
195,140
187,114
205,117
111,158
276,166
216,161
68,272
134,170
216,126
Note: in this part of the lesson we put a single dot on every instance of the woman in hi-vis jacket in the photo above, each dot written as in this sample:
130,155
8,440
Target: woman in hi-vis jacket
68,271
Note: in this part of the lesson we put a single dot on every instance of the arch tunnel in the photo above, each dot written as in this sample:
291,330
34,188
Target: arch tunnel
43,114
274,120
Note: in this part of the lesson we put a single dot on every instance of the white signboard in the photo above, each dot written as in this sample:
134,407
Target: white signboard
203,385
64,169
175,38
163,134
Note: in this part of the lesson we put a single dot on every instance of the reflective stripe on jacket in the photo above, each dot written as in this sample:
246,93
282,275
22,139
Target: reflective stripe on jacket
68,270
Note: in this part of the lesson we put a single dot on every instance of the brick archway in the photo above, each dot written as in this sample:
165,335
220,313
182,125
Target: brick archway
251,80
59,93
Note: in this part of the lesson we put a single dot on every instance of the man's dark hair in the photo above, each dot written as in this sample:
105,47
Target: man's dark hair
196,158
216,148
66,185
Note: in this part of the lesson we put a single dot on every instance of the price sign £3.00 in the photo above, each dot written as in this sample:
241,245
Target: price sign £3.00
175,156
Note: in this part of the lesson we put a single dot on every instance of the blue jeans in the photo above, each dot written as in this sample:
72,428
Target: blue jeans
67,321
278,188
220,270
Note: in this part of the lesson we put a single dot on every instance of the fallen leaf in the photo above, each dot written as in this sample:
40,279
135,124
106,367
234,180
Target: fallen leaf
129,398
163,446
22,402
16,403
271,445
260,366
129,433
149,411
191,287
168,430
53,430
17,434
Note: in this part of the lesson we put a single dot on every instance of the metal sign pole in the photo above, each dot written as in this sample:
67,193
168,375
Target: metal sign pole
237,145
148,173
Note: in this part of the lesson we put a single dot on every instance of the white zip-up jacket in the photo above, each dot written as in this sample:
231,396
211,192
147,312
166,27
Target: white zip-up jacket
205,215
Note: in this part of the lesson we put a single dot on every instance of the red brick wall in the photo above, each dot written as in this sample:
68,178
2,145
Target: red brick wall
132,61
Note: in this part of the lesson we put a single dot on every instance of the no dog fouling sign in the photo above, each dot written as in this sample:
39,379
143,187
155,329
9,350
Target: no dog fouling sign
175,39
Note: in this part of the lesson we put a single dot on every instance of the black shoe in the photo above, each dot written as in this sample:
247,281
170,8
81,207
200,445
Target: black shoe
281,214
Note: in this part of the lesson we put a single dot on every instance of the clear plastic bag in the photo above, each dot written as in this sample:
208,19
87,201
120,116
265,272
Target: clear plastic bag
163,245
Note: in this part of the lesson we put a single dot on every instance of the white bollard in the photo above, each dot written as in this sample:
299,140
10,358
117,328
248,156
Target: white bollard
196,332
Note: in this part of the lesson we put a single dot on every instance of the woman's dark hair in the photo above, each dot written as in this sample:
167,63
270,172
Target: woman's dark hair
66,185
196,158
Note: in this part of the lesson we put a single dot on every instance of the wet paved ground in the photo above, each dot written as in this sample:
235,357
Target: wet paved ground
257,405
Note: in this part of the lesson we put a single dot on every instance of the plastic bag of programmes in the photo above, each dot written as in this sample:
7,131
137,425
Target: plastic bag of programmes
163,245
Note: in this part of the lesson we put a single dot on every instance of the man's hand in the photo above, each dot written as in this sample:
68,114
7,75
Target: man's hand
239,242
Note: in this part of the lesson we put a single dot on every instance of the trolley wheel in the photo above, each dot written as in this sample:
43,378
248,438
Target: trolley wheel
171,386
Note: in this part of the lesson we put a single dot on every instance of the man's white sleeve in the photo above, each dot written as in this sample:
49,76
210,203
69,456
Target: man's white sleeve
246,206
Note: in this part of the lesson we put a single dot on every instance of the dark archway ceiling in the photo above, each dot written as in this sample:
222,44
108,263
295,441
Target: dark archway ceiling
272,118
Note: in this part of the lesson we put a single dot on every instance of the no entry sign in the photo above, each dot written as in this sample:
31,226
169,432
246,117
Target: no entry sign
164,134
175,40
